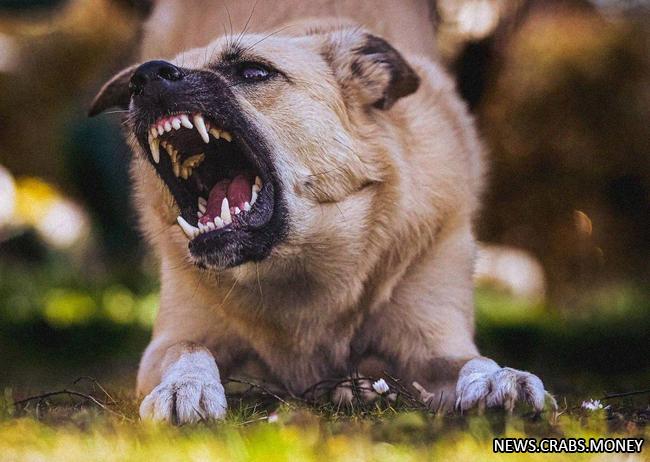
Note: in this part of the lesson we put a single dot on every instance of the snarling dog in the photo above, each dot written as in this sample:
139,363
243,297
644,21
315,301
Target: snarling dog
310,197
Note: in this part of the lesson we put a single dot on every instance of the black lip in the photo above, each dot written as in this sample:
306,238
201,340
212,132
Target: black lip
258,231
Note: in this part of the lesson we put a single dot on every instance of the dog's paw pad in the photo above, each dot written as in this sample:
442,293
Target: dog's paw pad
504,387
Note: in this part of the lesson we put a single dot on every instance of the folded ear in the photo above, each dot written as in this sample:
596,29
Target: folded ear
369,68
114,93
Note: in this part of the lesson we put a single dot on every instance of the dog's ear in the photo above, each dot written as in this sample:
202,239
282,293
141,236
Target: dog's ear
370,68
114,93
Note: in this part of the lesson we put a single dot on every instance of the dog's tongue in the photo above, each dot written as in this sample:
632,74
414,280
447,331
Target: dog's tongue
237,190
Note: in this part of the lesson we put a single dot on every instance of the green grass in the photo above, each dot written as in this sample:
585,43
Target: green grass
62,430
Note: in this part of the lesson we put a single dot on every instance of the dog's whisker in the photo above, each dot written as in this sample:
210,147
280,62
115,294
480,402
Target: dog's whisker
259,284
249,48
250,16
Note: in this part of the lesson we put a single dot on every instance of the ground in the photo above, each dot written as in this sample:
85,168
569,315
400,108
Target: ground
60,430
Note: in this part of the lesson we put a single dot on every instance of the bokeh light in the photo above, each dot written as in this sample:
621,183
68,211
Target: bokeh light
7,197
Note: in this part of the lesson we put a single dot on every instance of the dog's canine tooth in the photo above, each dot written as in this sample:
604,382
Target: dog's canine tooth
176,123
218,222
214,132
185,121
258,182
199,123
168,126
255,188
161,129
202,206
253,196
226,136
247,207
225,211
153,131
155,148
189,230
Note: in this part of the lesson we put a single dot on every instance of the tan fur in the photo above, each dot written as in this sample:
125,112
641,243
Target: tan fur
377,264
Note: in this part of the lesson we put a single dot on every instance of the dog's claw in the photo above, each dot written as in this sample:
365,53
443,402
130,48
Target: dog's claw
486,384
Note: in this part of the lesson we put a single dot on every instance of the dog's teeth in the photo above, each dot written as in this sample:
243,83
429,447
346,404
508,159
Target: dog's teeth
226,135
237,210
199,214
189,230
253,196
200,127
176,166
202,227
256,188
203,205
214,132
176,123
153,131
167,126
225,211
155,148
258,182
247,207
161,129
211,225
185,121
194,161
186,172
218,222
203,201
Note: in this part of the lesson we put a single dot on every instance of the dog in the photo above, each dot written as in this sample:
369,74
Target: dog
310,195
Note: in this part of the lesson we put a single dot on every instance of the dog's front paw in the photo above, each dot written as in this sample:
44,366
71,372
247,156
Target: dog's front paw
190,391
482,383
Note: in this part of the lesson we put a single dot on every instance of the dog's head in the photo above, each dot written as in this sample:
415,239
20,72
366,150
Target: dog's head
250,135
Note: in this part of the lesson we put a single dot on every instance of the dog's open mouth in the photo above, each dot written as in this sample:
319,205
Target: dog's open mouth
219,183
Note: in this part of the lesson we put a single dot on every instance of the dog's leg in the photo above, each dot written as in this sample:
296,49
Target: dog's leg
189,386
428,328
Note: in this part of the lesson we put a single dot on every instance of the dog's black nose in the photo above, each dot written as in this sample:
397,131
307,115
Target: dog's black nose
152,71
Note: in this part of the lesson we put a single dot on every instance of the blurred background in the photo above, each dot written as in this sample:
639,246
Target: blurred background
560,91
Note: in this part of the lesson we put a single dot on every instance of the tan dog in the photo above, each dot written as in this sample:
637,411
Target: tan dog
310,195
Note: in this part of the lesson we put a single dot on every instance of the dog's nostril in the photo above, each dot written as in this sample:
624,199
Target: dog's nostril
170,72
153,70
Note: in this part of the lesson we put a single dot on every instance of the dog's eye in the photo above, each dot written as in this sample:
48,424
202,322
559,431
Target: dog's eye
253,72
